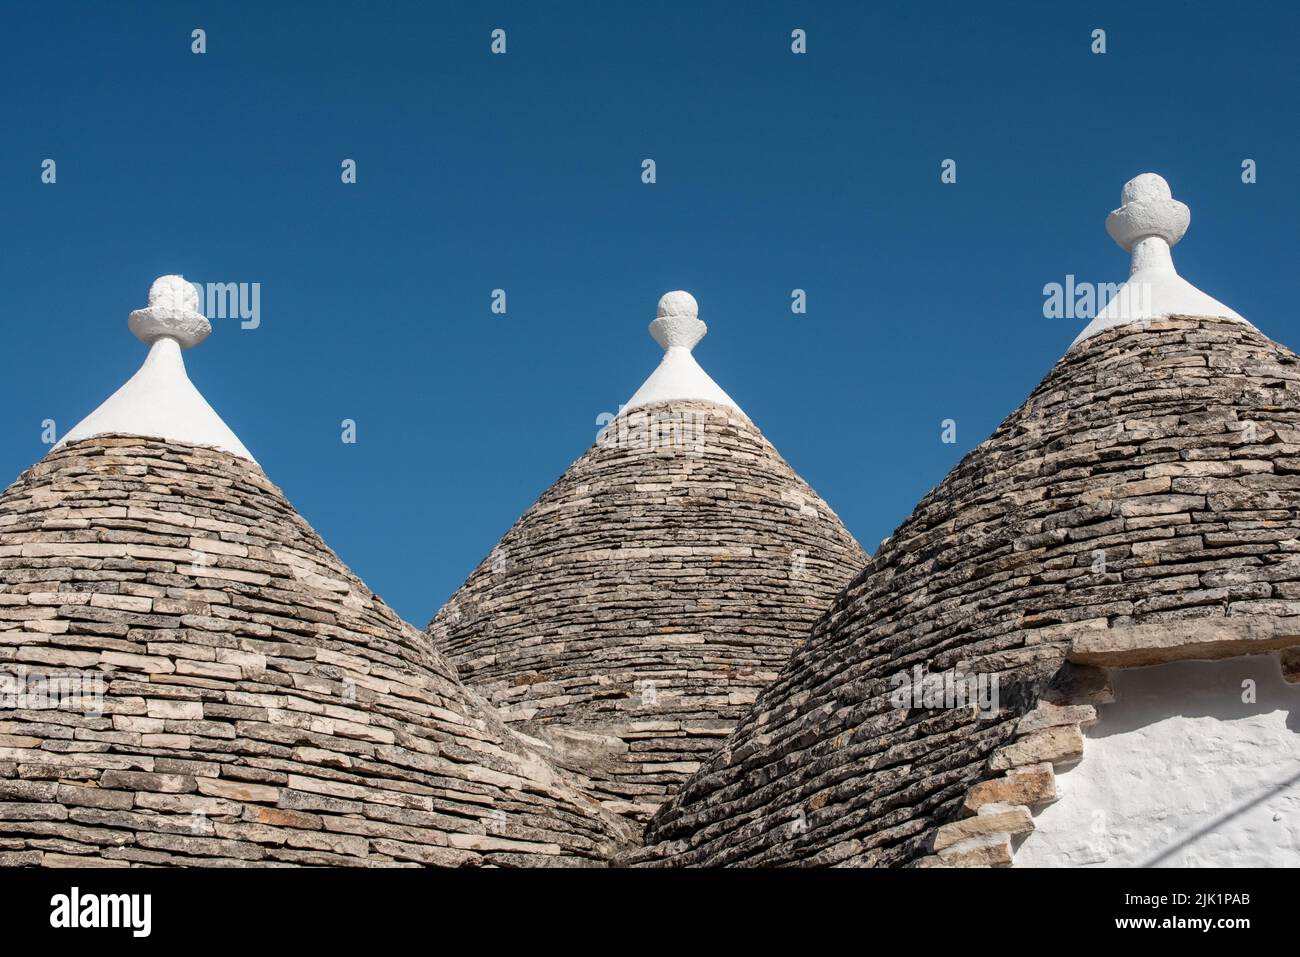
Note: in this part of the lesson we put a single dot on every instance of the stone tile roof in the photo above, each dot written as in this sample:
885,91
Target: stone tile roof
1152,479
631,616
260,705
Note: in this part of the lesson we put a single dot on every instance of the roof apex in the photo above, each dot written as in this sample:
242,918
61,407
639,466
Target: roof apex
1148,223
159,401
678,327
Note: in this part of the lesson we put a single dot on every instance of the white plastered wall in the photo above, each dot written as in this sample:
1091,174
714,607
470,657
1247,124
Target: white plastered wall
1179,771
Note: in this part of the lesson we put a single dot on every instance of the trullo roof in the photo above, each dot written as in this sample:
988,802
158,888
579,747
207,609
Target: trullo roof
191,675
1142,506
632,614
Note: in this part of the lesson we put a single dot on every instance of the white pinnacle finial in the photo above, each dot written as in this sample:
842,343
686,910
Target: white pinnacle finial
679,302
159,401
173,311
677,321
1147,224
678,327
1147,209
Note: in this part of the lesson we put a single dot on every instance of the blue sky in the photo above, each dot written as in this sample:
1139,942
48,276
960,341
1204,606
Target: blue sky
775,171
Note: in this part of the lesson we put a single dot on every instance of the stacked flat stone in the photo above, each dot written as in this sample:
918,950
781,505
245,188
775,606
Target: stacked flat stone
261,706
632,615
1150,484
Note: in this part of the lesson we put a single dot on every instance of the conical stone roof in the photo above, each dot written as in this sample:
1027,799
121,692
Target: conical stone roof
632,614
1142,506
192,677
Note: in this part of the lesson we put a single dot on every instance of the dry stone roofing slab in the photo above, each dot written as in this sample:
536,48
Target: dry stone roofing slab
189,676
1142,505
1136,446
260,705
631,616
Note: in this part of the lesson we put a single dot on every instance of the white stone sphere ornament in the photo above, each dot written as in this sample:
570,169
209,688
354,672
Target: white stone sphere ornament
677,321
173,312
1147,209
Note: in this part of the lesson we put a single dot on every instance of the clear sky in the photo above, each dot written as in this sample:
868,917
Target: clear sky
522,172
